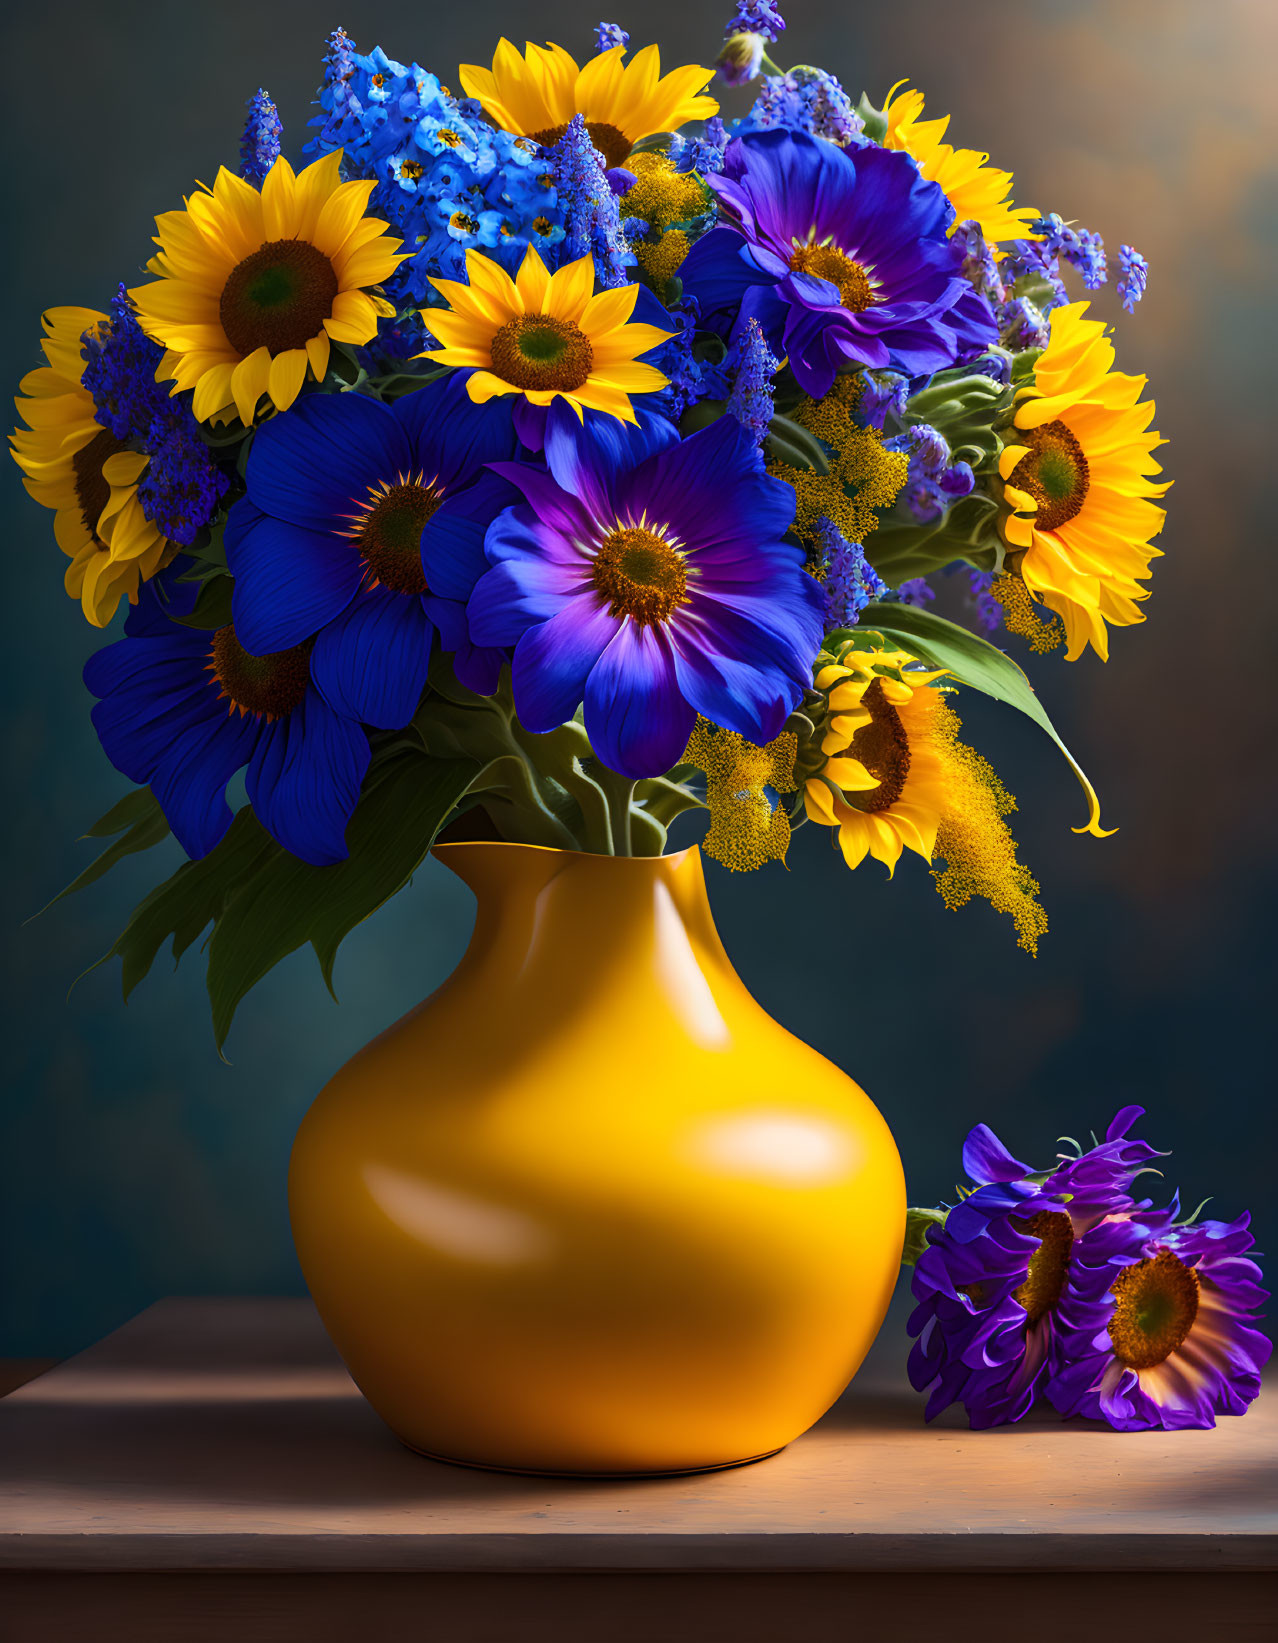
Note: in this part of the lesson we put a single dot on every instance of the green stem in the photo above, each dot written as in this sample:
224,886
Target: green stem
559,754
620,794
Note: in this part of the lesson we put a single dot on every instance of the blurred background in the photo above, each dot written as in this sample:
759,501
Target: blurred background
134,1163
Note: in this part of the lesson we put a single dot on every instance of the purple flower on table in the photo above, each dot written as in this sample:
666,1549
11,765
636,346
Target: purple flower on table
348,500
182,709
842,257
997,1285
648,577
1162,1332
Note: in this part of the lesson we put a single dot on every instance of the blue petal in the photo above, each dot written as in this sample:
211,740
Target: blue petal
588,459
986,1159
552,662
718,271
289,581
451,437
314,463
478,667
304,779
453,542
637,721
190,785
370,664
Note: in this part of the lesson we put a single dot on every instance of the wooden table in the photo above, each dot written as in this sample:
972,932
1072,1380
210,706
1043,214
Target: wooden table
209,1471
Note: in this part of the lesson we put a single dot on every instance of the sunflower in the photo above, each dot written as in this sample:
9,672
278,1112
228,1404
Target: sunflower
1078,519
893,775
544,335
883,782
538,94
75,466
254,285
977,191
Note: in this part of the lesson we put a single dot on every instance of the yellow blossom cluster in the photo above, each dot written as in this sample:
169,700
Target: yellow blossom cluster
746,828
975,842
1020,615
662,196
864,479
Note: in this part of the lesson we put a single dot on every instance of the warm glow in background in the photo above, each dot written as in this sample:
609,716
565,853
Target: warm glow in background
134,1164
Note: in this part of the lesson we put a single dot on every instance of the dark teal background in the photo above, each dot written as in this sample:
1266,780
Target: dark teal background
136,1164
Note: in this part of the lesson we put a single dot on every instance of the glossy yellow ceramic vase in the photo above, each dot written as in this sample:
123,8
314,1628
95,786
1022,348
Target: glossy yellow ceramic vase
588,1208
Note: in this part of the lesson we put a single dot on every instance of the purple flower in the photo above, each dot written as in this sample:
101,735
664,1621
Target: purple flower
1079,247
808,100
851,582
649,577
757,17
752,400
741,58
843,260
703,154
1162,1331
181,487
999,1282
915,591
592,222
1132,276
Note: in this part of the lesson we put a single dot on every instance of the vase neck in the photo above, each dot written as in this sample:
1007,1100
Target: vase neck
552,924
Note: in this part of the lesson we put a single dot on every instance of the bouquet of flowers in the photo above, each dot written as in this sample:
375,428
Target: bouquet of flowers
543,459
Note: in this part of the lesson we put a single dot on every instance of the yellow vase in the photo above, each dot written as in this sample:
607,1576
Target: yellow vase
589,1208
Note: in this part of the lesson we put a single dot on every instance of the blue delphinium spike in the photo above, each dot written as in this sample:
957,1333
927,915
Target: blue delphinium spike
608,35
260,144
850,583
592,214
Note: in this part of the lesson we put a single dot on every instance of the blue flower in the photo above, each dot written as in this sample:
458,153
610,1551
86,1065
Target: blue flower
182,709
843,260
809,100
260,144
608,35
756,17
648,577
1003,1279
347,500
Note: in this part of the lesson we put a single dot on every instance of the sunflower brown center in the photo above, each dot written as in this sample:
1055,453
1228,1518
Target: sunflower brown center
1053,471
612,143
538,351
278,298
1045,1275
390,534
92,491
883,748
827,262
641,575
266,686
1155,1304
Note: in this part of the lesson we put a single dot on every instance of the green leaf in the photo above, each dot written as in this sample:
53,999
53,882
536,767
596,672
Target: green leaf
192,898
974,661
917,1221
212,608
286,902
898,549
141,824
135,806
788,441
